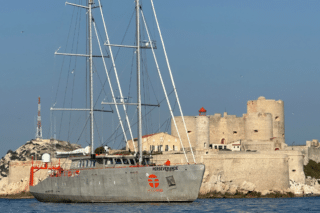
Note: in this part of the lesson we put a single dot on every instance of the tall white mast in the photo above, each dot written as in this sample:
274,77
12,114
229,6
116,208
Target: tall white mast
138,80
90,2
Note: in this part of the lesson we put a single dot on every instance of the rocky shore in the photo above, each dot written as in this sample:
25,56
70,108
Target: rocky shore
32,148
253,194
216,187
22,195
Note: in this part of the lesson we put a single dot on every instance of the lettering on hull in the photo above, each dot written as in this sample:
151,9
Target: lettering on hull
166,168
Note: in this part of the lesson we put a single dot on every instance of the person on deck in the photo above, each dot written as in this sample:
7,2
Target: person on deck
167,163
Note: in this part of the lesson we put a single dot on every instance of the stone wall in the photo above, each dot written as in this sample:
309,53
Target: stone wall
266,171
19,170
303,150
311,151
295,163
155,140
228,128
252,145
191,129
258,126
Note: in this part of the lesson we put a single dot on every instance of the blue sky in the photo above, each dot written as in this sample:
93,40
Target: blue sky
222,53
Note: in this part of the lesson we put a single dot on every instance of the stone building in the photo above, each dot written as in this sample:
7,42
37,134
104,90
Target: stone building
262,128
157,142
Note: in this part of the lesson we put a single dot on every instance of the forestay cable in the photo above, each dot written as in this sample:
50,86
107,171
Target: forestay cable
116,74
172,81
108,77
164,88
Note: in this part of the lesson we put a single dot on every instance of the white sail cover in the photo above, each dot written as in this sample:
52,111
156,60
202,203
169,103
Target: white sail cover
84,151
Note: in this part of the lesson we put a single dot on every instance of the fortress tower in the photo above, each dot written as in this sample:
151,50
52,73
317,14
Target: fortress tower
276,109
202,129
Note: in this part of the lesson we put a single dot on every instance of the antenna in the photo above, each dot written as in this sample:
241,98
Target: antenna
39,127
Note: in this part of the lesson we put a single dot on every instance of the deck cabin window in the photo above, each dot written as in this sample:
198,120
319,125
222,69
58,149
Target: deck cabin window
118,161
146,161
132,162
108,161
125,161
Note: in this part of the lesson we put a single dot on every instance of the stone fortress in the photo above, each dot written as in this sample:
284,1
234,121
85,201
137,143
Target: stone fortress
264,162
262,128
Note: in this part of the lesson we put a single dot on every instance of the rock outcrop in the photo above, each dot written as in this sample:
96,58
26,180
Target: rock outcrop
216,183
35,149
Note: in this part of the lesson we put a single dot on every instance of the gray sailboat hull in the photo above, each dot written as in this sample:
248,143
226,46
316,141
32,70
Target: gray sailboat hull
130,184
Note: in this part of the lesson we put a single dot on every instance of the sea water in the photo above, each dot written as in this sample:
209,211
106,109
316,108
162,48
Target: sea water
308,204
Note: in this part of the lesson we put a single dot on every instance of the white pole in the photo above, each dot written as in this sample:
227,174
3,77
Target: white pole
91,77
138,80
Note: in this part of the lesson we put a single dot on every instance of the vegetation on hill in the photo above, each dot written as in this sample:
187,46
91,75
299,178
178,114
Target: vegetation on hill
312,169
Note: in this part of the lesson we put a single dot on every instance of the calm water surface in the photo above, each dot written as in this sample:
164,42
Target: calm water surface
310,204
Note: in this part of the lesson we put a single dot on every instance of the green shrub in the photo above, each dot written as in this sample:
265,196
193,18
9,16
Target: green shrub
312,169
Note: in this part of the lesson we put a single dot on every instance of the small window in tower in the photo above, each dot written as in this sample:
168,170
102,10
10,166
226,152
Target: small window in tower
235,132
204,145
189,131
255,130
277,118
293,170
